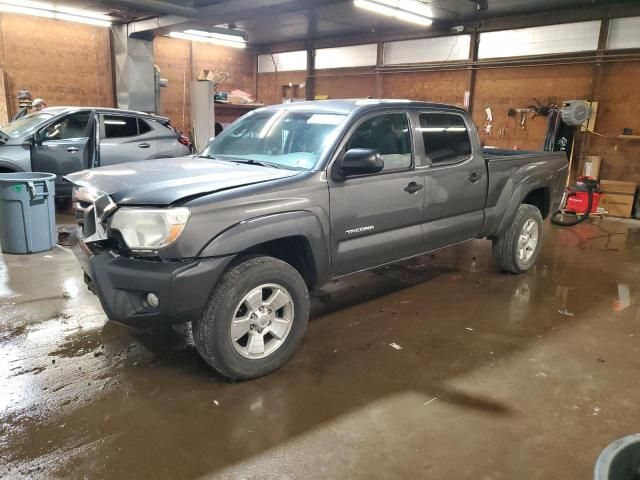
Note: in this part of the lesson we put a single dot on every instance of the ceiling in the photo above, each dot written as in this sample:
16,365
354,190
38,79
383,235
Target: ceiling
268,22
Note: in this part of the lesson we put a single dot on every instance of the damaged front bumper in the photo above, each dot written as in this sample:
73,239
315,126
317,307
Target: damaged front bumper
123,283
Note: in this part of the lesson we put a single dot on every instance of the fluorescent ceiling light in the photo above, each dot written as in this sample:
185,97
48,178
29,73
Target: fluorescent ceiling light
234,41
407,10
49,10
222,36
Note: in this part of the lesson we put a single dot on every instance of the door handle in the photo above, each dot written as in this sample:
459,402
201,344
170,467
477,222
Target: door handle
474,177
143,145
413,187
72,149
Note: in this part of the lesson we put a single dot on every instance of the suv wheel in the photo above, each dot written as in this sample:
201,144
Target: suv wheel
517,249
255,319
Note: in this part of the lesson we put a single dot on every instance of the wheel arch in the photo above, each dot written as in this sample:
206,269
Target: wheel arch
539,197
305,248
532,191
7,166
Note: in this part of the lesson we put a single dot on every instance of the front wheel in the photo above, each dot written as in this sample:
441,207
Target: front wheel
255,319
517,249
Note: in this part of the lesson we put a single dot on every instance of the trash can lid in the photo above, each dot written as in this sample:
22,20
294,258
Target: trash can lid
26,177
607,458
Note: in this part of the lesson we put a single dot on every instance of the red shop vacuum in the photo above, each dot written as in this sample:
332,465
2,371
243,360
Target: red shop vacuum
580,200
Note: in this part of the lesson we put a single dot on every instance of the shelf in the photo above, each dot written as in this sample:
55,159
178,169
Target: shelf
629,137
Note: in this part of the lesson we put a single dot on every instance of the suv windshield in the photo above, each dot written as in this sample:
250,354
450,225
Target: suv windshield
282,138
25,124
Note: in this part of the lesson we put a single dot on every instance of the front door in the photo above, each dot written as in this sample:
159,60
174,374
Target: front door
376,218
66,145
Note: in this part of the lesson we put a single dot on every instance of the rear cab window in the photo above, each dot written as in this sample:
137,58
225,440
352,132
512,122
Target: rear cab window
445,137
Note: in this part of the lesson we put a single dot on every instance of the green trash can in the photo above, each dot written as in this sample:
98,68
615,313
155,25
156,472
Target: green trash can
27,212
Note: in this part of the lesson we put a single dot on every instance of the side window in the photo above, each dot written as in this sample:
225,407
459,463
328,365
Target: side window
143,127
116,126
445,136
71,126
389,135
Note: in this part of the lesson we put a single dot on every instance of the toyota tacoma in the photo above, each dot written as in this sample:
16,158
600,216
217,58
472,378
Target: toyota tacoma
288,198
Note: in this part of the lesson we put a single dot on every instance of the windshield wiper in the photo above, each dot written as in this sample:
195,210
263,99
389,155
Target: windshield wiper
249,162
258,162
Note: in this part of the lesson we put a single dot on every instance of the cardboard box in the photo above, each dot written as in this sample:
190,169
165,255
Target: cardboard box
614,186
617,204
592,166
618,197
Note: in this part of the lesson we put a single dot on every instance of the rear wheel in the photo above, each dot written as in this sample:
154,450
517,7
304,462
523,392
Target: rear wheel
517,249
255,319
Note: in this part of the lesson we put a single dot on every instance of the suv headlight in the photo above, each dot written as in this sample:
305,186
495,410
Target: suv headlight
149,228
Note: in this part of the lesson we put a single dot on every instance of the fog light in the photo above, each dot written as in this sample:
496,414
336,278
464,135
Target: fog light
152,300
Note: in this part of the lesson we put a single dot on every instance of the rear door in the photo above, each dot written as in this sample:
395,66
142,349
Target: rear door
455,178
125,138
65,145
376,218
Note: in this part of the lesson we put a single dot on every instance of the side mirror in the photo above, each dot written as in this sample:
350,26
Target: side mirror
360,161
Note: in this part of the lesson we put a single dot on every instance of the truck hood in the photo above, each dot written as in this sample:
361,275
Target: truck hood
168,180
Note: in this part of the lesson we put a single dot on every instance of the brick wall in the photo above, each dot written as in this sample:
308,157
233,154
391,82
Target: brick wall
64,63
439,87
270,85
70,64
180,62
504,88
173,58
346,83
618,108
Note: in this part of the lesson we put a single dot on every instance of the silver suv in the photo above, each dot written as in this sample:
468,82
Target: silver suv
63,140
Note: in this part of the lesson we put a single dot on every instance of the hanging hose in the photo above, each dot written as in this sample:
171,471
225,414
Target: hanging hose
579,218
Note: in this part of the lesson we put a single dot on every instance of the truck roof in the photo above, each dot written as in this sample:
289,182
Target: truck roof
347,106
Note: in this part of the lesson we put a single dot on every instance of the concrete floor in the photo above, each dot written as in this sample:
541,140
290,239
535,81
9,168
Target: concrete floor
498,376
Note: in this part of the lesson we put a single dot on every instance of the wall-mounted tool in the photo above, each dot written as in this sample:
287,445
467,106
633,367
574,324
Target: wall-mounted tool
575,112
512,112
539,109
543,109
489,125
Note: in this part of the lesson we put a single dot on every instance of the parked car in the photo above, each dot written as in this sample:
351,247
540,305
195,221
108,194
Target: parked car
62,140
292,196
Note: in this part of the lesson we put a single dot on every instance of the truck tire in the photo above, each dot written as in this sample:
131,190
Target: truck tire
255,319
517,249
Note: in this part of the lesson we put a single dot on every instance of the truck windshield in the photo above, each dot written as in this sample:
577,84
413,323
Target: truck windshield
25,124
284,138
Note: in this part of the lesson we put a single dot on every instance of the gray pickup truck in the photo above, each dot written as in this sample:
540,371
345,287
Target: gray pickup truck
288,198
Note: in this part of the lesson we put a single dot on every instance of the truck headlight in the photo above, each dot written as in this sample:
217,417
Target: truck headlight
149,228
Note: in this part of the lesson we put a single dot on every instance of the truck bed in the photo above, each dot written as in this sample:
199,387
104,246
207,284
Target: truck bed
512,171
